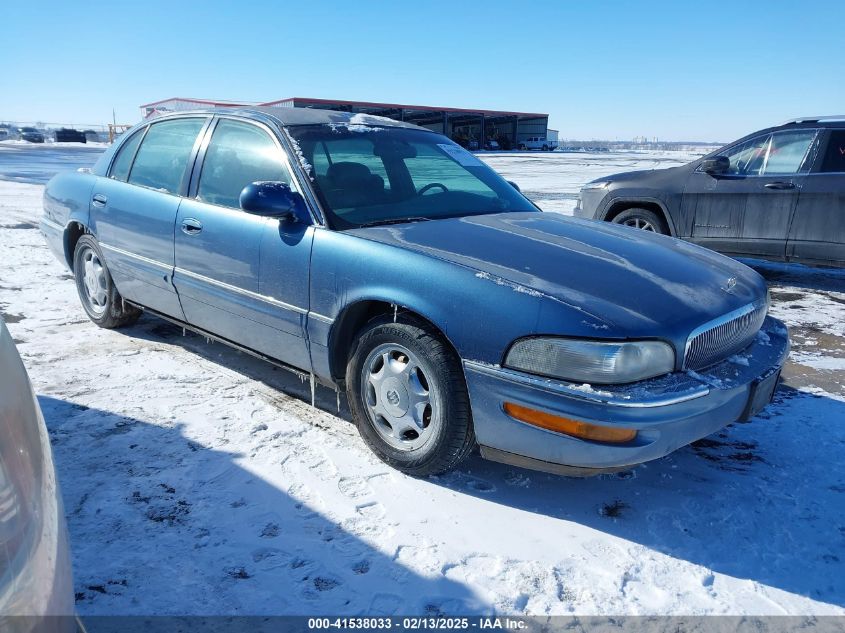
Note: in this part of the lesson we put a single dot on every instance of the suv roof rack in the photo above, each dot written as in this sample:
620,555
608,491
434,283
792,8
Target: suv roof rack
816,119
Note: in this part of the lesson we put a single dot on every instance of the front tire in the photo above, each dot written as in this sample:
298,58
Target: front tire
408,397
97,292
642,219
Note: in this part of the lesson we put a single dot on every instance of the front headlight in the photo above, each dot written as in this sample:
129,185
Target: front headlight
601,362
598,184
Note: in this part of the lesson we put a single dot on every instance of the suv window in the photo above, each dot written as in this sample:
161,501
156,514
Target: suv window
123,161
834,156
163,156
772,154
748,157
788,152
238,154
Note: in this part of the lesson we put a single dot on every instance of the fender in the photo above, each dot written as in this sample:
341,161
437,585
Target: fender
609,202
480,316
67,200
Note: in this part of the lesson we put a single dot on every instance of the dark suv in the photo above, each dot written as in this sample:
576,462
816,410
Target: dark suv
777,194
31,135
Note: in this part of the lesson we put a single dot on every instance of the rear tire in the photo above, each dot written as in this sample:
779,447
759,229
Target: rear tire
642,219
408,397
97,292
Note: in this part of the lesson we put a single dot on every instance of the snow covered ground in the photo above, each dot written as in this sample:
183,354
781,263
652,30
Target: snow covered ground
553,180
198,480
37,163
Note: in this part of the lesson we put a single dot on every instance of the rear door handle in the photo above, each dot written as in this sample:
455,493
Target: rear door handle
99,200
779,185
191,226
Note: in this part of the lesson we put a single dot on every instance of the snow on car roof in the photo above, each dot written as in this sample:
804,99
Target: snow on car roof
311,116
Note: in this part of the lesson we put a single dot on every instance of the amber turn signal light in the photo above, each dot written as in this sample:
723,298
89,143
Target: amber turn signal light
575,428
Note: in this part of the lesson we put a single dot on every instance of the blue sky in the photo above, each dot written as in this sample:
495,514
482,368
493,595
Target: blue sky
706,70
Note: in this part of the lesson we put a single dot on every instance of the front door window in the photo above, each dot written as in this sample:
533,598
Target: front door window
782,153
788,152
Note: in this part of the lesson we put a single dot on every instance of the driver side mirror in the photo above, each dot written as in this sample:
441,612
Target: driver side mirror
716,165
275,200
514,185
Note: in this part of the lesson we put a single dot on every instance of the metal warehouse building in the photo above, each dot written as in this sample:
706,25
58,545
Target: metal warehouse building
470,127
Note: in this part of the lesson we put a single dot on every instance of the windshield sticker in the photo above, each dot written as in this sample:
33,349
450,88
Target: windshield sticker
459,155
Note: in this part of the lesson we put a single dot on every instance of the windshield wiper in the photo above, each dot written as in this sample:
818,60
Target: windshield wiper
393,221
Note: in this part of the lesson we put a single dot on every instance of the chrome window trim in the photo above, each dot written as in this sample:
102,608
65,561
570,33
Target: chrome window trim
569,390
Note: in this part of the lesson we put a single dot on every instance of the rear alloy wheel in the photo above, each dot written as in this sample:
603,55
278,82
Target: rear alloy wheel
642,219
409,399
97,291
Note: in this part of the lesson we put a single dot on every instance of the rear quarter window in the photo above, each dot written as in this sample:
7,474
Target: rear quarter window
123,161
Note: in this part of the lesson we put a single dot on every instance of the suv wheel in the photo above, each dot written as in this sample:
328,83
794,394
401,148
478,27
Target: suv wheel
642,219
408,396
97,291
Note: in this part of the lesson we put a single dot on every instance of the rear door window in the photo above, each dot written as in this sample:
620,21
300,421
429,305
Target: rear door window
834,155
239,154
123,161
163,156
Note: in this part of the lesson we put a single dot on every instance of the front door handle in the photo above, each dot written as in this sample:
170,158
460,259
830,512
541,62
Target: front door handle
779,185
99,200
191,226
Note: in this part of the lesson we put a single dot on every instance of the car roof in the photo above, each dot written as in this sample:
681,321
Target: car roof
289,117
831,120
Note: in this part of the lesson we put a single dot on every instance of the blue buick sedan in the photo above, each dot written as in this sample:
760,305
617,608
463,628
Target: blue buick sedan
383,259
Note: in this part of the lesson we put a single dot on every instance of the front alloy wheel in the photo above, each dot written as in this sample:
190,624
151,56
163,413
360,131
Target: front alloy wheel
639,223
643,219
400,403
408,396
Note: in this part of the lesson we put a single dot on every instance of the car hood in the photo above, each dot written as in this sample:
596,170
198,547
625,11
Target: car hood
629,282
641,175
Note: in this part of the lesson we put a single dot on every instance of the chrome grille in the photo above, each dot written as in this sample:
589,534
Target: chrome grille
717,339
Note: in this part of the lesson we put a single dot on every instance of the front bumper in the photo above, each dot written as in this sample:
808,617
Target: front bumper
589,201
667,412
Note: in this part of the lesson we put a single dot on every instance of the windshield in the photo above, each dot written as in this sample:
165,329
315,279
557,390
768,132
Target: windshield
366,175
